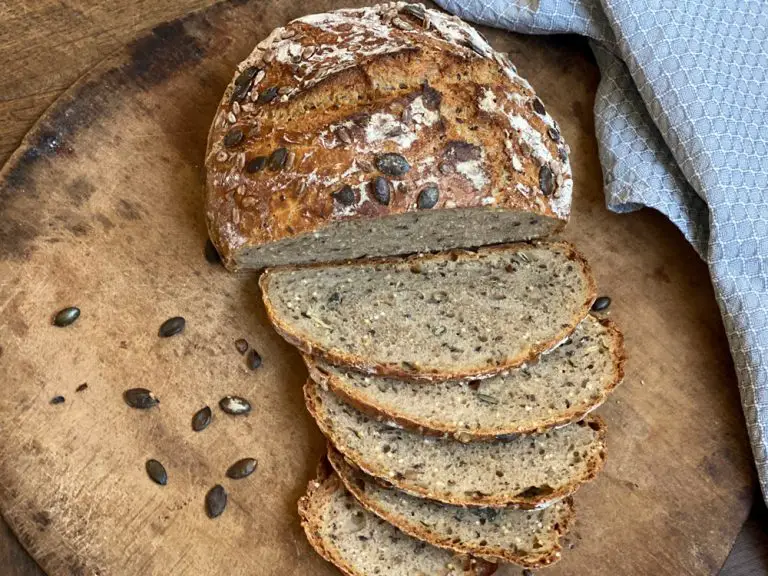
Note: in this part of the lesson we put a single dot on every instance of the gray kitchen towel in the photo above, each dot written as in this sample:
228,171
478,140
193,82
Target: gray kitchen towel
681,117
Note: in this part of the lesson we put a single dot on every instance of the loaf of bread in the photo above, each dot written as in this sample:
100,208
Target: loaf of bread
362,544
528,538
524,471
559,387
439,316
378,131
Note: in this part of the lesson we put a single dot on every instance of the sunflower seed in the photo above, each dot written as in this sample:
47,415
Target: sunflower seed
216,501
290,159
242,468
277,159
171,327
487,399
546,180
538,107
343,134
253,359
235,405
269,56
308,51
381,190
428,197
241,345
345,196
267,95
402,24
364,165
156,472
66,316
601,303
211,254
201,419
517,164
283,90
392,164
140,398
231,118
58,400
256,164
82,387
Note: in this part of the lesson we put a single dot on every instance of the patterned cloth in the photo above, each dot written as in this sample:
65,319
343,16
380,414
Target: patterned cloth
682,125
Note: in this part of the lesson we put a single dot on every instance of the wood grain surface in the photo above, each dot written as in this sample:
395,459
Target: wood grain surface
101,208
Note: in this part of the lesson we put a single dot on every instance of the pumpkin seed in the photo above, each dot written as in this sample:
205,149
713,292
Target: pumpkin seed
267,95
381,190
171,327
242,468
554,133
345,196
253,359
66,316
546,180
601,303
201,419
156,472
82,387
57,400
428,197
538,107
211,254
216,501
563,153
277,159
235,405
256,164
140,398
234,137
392,164
241,345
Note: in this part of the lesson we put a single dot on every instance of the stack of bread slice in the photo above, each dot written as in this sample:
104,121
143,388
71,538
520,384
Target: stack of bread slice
454,390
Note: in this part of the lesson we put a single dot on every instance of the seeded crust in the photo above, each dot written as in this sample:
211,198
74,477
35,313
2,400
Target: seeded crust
313,511
422,519
338,90
405,401
426,467
500,263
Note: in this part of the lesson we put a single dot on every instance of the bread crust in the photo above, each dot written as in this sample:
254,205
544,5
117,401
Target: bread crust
342,468
527,502
307,69
430,428
310,506
399,371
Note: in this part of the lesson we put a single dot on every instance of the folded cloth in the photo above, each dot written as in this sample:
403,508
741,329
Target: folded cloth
681,117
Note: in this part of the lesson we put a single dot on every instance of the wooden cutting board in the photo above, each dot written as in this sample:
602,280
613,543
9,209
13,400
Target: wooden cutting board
101,208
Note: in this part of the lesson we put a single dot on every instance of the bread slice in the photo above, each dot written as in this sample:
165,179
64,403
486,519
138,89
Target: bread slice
362,544
521,471
563,386
439,316
528,538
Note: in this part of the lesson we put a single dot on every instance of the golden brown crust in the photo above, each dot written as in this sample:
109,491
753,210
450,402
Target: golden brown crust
527,502
319,492
414,373
430,428
341,466
350,85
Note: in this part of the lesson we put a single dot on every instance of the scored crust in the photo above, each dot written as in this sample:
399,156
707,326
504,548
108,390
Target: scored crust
336,90
525,502
347,473
393,370
361,402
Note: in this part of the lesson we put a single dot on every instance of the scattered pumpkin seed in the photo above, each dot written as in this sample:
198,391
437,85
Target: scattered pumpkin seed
171,327
82,387
241,345
253,359
242,468
140,398
201,419
58,400
235,405
66,316
601,303
392,164
216,501
156,472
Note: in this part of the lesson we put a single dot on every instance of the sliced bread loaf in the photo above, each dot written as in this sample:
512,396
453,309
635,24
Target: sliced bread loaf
529,538
362,544
563,386
438,316
520,471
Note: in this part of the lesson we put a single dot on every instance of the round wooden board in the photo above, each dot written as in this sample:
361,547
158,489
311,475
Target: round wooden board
101,207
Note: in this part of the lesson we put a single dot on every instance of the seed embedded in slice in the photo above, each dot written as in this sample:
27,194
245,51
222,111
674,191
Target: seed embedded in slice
140,398
242,468
156,472
172,326
253,359
201,419
241,345
216,501
235,405
66,317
